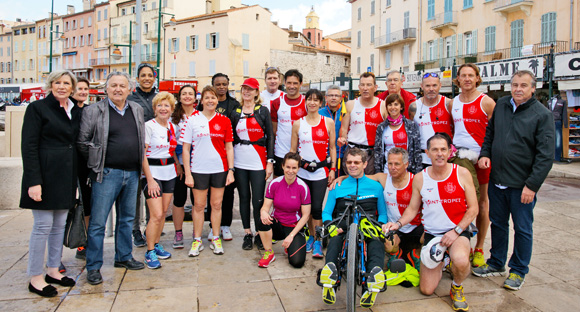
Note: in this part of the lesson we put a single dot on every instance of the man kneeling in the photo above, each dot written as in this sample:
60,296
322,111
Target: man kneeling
449,206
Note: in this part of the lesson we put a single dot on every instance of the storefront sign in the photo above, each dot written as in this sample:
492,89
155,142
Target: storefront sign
497,71
413,78
567,65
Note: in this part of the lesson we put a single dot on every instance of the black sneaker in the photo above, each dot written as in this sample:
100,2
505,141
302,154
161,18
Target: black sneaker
81,253
138,239
94,277
258,242
61,268
130,264
247,244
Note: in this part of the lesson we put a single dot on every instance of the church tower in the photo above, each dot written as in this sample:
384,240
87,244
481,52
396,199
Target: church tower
312,30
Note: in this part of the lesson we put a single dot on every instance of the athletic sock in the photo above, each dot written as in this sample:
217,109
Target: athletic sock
455,284
198,238
178,231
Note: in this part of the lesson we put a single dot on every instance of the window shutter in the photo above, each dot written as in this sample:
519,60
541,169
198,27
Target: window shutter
188,43
196,43
173,69
474,41
192,69
217,40
425,51
177,45
544,28
388,59
459,44
453,45
207,41
169,43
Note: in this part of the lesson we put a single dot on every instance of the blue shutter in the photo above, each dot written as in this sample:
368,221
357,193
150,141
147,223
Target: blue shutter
207,41
188,43
217,40
474,41
177,45
388,59
425,51
453,46
388,30
192,69
459,44
196,43
169,44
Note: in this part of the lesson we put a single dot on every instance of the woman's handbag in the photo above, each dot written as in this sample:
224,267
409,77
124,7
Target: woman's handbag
75,232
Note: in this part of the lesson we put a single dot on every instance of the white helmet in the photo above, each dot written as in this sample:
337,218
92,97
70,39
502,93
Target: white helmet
432,253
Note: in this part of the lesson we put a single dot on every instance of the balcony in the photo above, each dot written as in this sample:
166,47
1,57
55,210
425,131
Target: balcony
105,61
576,46
396,37
445,20
151,57
508,6
151,35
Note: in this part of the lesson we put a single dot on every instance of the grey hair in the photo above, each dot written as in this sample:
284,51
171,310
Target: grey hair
522,72
56,75
401,151
333,87
393,72
132,84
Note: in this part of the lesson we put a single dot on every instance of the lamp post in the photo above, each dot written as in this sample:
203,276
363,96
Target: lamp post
172,22
116,54
52,32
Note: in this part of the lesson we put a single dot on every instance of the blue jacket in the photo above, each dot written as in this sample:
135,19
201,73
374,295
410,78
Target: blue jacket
370,197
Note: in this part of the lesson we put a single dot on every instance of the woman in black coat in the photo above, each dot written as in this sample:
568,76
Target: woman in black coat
49,180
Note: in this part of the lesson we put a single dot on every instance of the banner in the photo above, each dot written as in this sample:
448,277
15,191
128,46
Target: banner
497,71
566,65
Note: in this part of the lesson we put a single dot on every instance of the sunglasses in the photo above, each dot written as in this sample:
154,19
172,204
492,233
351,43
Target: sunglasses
353,162
427,75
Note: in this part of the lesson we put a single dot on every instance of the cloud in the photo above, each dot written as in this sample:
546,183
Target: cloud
335,16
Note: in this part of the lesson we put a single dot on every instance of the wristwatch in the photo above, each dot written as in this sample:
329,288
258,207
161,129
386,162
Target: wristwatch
458,230
232,169
272,161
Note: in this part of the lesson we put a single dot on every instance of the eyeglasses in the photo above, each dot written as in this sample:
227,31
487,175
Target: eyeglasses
353,162
427,75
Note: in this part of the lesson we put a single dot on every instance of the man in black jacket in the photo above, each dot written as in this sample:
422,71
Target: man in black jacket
519,146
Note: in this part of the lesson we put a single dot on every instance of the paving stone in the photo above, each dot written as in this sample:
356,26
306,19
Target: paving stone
34,304
495,300
281,269
303,294
562,265
88,303
260,296
8,215
427,304
112,278
171,274
166,299
551,297
10,256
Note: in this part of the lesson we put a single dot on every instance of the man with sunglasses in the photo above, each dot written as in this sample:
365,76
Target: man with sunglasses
432,112
394,85
370,197
273,80
471,112
335,109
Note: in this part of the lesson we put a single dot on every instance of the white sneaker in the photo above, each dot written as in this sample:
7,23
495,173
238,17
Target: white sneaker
196,247
217,247
226,233
210,235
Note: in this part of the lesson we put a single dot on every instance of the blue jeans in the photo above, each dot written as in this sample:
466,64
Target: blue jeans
502,203
118,187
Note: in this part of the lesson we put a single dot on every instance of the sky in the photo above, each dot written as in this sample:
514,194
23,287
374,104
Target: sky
334,14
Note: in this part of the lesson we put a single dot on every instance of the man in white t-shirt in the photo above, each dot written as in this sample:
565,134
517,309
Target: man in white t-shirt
273,80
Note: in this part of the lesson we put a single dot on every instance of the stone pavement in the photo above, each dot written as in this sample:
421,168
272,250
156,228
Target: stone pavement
233,282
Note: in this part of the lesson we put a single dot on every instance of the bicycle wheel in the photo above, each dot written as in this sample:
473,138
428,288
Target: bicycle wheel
351,267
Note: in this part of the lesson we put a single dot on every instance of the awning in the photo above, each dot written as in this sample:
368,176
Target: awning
482,88
569,84
445,90
494,87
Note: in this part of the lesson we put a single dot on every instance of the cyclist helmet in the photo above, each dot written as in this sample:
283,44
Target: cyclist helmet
370,230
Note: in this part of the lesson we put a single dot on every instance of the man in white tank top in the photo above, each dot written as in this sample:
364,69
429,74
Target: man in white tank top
449,206
273,80
471,111
359,124
429,118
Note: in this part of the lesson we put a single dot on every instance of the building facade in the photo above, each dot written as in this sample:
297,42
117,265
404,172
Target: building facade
79,32
24,51
6,74
101,43
43,41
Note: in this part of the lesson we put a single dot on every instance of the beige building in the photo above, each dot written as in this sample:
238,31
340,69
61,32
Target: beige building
101,55
236,42
5,56
43,42
331,44
24,49
365,20
481,30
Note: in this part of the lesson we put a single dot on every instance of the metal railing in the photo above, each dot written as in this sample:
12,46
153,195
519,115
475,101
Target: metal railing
151,57
396,36
99,61
151,35
499,4
576,46
443,19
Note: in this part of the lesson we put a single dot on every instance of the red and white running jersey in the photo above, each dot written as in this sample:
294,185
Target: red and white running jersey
181,126
398,200
246,156
394,138
470,122
285,111
444,203
161,145
431,120
268,97
313,146
208,142
364,122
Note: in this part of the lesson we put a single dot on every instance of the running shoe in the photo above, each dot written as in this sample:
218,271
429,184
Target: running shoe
247,244
478,259
317,250
196,248
81,253
61,268
393,256
267,259
226,233
458,299
151,260
178,240
514,282
258,242
328,279
216,245
161,253
138,239
414,257
310,243
487,271
374,284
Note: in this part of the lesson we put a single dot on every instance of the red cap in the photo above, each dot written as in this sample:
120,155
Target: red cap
252,83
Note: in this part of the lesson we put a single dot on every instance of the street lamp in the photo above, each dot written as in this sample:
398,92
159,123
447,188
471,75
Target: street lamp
172,22
52,32
117,54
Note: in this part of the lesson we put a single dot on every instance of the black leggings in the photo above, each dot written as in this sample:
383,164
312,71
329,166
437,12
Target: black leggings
256,180
317,191
296,250
180,192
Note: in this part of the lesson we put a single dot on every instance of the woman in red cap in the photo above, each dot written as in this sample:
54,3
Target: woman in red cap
253,153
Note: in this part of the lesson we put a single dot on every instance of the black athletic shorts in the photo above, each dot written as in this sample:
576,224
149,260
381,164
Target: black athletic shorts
165,187
278,170
203,181
429,237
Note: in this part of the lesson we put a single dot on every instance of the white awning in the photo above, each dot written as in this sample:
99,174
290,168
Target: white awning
494,87
482,88
569,84
445,90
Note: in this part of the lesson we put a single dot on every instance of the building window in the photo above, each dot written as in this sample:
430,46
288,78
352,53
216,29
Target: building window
74,24
246,41
144,7
98,16
328,59
490,39
388,3
123,11
549,27
387,59
90,41
213,41
106,14
192,43
372,7
358,65
98,34
467,4
373,34
82,41
372,63
212,67
448,47
105,33
406,55
430,9
359,38
90,21
82,23
191,69
246,69
133,9
359,14
468,43
174,69
173,45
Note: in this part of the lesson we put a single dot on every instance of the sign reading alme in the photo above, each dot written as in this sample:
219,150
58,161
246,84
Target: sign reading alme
499,71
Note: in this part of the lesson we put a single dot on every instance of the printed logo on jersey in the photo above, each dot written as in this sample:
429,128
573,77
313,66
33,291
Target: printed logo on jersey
373,114
429,189
217,127
252,121
439,112
472,110
406,196
299,112
389,194
401,135
320,133
450,187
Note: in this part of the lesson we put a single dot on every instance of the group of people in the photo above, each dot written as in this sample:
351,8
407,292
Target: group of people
420,166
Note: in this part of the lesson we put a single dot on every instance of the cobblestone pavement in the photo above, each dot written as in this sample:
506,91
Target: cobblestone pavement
233,281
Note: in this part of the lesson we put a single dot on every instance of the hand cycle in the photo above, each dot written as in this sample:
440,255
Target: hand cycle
352,258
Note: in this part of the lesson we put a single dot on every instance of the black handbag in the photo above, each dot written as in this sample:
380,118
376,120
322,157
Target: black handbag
75,232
